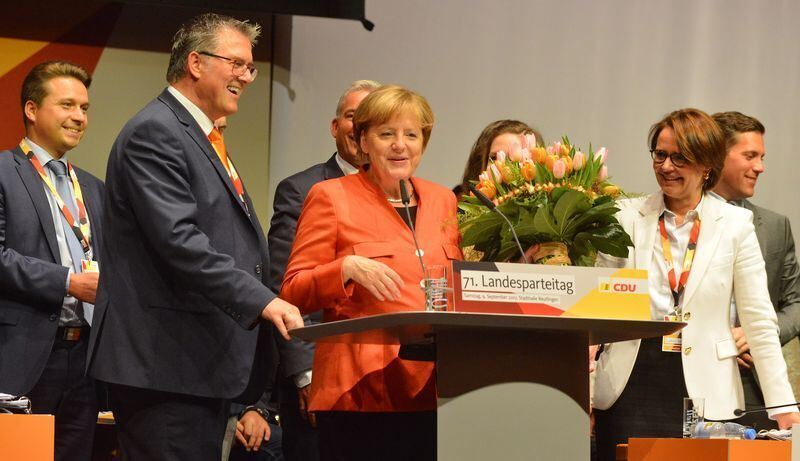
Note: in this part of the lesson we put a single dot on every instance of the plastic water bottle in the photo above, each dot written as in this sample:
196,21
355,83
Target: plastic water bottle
719,430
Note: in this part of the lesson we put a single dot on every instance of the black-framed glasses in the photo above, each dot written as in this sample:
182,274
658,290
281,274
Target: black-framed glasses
237,67
661,156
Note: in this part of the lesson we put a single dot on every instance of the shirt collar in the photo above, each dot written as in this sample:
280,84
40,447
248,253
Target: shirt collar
206,124
345,166
41,154
690,216
739,203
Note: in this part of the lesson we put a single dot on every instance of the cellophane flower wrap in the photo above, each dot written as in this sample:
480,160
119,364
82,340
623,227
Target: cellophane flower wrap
556,196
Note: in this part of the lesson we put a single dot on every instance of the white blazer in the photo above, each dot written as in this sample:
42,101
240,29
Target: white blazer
728,261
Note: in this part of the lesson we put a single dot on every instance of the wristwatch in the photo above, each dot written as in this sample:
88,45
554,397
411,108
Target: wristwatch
264,413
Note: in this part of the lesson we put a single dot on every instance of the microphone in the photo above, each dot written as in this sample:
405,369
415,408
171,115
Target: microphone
740,412
406,200
490,204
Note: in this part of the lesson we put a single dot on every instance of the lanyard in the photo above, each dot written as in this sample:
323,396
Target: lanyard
81,227
677,286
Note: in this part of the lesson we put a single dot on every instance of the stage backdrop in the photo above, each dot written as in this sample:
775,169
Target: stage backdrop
598,71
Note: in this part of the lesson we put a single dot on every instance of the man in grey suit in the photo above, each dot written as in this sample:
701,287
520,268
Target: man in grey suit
743,165
296,357
50,228
182,324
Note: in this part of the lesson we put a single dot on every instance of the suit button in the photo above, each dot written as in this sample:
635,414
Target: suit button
258,269
53,317
687,350
687,316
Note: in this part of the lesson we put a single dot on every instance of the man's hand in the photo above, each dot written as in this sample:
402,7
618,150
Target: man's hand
252,430
83,286
303,397
745,360
785,420
285,316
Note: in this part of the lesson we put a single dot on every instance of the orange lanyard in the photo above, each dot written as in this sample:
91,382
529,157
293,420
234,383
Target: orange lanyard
81,227
677,286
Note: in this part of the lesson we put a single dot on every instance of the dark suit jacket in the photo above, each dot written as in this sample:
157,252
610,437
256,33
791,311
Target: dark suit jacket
775,238
32,279
296,356
182,289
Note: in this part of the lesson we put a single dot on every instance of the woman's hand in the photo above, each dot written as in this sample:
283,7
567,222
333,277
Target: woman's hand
785,420
375,276
529,254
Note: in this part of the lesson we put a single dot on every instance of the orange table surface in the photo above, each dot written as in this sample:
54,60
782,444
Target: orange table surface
26,437
708,450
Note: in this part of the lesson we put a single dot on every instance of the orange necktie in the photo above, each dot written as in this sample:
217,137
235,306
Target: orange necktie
219,146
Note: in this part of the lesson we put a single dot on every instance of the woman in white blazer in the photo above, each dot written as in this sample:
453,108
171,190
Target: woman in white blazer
640,384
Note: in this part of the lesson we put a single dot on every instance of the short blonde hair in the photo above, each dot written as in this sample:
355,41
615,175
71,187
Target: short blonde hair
386,102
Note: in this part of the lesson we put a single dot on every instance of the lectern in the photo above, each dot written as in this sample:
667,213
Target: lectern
510,387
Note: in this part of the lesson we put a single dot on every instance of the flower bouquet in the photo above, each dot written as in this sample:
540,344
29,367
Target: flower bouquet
556,196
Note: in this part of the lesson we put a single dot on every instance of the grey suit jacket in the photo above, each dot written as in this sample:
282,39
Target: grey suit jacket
296,356
783,273
32,279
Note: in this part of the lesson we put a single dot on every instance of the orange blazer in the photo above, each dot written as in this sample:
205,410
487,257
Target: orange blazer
351,216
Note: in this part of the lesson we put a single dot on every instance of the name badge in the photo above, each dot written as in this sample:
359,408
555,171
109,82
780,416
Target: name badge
88,265
671,342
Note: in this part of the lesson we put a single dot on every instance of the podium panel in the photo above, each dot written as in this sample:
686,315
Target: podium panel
27,437
511,387
643,449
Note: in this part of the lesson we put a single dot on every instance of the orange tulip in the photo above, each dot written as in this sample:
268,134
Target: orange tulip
539,154
528,170
487,188
568,164
551,159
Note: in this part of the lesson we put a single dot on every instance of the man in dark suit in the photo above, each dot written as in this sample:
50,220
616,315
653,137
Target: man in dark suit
743,165
50,230
296,356
178,321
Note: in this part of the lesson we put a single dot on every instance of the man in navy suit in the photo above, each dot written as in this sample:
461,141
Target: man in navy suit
179,310
299,435
50,233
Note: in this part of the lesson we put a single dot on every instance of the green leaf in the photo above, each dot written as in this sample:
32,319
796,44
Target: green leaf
481,229
610,239
544,223
570,203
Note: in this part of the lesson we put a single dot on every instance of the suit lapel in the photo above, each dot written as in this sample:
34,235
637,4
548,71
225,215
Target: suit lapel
758,223
711,227
92,202
197,135
331,169
33,183
644,230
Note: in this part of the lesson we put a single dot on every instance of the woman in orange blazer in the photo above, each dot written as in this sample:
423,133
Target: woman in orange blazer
354,256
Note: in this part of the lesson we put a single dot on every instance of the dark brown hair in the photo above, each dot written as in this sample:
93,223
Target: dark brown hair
479,155
699,139
732,123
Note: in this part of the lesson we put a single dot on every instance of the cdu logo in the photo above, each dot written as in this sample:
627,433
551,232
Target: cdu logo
621,285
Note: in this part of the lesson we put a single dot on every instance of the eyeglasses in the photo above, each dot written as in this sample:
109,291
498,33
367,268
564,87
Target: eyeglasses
237,67
661,156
